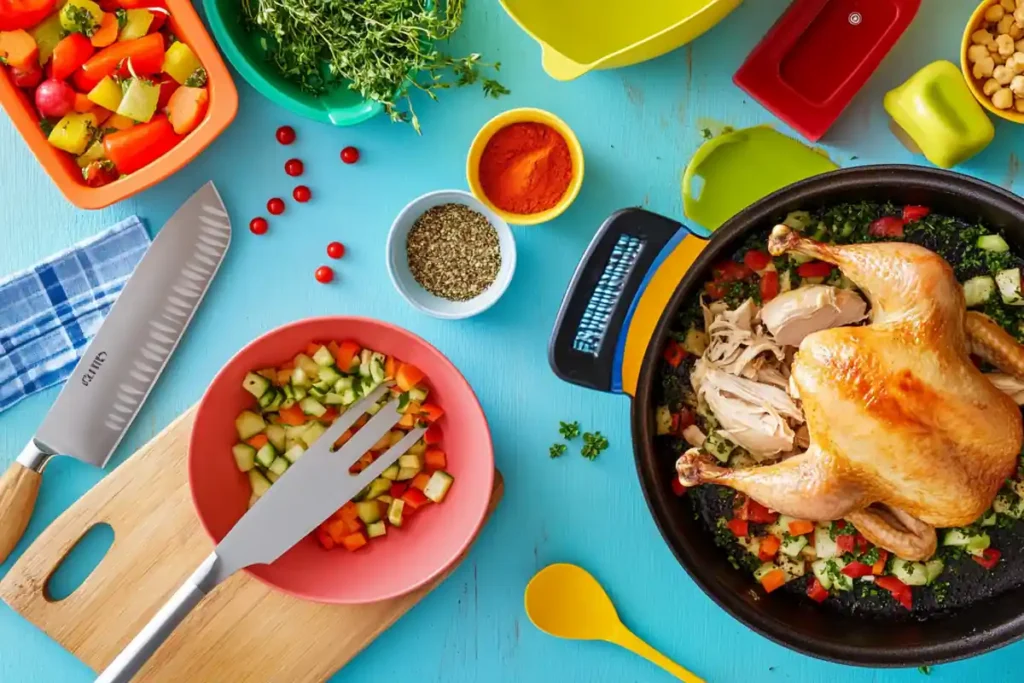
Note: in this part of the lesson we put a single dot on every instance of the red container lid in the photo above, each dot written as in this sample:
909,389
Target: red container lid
818,55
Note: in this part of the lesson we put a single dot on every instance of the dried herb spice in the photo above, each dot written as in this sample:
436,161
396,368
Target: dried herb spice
453,252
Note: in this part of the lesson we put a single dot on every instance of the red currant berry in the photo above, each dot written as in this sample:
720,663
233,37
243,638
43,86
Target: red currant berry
286,135
276,206
350,155
258,225
293,167
301,194
335,249
324,274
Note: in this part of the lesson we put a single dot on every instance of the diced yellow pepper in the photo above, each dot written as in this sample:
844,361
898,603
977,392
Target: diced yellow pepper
107,94
73,132
47,34
72,16
180,62
139,101
136,25
93,153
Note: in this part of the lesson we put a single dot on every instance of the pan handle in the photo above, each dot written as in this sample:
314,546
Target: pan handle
616,297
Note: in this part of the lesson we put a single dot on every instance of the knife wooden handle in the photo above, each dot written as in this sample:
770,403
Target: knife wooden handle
19,487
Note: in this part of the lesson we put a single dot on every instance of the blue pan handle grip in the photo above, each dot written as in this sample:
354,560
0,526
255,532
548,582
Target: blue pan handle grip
587,342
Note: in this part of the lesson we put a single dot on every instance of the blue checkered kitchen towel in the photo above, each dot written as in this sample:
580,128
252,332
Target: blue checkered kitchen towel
50,312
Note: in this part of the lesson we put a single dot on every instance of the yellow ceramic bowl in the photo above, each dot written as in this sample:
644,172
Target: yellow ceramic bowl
525,115
977,19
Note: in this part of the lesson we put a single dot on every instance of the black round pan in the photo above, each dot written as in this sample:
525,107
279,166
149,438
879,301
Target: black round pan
603,308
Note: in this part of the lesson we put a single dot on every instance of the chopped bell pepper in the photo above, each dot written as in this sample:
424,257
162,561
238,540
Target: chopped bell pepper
136,147
47,34
136,25
19,14
139,100
73,132
773,580
146,55
180,63
107,94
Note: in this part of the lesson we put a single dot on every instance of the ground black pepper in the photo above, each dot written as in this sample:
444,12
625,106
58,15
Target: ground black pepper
453,252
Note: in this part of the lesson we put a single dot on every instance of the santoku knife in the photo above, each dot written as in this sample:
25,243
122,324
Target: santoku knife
124,360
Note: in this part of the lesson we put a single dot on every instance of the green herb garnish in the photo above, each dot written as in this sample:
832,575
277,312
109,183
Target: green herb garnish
46,126
569,430
197,79
122,18
81,20
557,450
593,444
926,670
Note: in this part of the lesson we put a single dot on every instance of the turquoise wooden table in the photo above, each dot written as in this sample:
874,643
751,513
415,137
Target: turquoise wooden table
638,127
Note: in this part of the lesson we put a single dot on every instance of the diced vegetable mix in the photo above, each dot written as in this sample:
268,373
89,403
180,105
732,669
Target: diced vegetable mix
297,402
105,80
830,558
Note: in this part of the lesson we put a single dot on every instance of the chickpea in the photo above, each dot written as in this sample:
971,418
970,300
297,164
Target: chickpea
976,53
1017,86
995,13
1005,45
1019,105
990,87
1003,98
1004,24
984,68
1008,5
1018,62
982,37
999,59
1018,15
1011,64
1016,31
1002,74
1019,45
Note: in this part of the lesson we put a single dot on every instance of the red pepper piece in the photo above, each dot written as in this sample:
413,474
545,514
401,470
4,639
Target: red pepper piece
887,226
855,570
740,527
815,591
989,558
673,353
912,212
814,269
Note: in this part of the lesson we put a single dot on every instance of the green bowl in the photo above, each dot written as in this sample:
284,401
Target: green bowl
244,49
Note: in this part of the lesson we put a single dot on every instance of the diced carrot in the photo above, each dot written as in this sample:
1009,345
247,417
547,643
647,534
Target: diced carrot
383,508
408,376
333,347
186,109
19,49
325,539
283,377
83,103
433,435
397,489
347,352
146,55
768,547
292,415
415,498
799,527
353,525
288,365
366,459
106,34
435,459
337,529
70,53
258,441
390,366
101,115
773,580
312,348
361,421
420,481
408,421
431,412
120,122
343,439
354,542
330,415
878,567
348,511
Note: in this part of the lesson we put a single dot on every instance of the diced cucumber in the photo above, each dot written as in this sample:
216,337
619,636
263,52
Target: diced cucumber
377,361
311,406
794,567
1008,282
313,432
990,518
277,402
249,424
933,569
978,544
378,486
367,385
799,259
840,581
696,341
1010,505
342,383
364,362
979,290
317,394
395,510
437,488
975,544
820,570
323,386
300,392
824,546
390,473
279,466
793,545
418,394
308,365
403,402
718,446
663,420
267,398
348,397
330,375
993,243
294,452
289,392
820,232
798,220
376,529
910,573
276,436
272,476
764,570
418,448
406,473
955,537
410,462
255,384
368,511
333,399
245,456
300,378
323,357
847,229
266,454
258,482
780,527
384,498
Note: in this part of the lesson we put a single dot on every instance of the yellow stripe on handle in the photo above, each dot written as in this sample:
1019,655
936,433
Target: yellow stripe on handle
652,304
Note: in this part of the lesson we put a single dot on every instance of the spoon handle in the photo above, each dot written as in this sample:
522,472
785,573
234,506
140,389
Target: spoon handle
629,640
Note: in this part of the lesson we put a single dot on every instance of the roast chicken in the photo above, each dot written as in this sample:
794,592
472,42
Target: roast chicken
905,433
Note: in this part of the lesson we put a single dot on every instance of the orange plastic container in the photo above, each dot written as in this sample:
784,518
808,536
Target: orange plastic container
185,24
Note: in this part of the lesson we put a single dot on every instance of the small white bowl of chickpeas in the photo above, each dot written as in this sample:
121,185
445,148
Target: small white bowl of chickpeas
992,57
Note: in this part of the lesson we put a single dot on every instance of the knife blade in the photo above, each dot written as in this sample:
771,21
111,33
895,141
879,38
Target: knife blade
116,373
309,492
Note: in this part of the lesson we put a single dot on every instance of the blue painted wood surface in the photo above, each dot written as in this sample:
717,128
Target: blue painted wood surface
638,126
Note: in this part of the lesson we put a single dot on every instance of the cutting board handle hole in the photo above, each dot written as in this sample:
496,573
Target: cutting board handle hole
80,562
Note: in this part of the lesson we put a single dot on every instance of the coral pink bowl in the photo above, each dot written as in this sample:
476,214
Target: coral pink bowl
406,558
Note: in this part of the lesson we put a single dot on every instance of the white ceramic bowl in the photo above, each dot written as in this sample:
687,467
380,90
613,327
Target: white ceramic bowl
405,283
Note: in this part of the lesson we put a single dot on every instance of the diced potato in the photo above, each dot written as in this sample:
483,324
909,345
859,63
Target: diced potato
1003,98
180,62
995,13
140,100
107,94
72,17
136,25
73,132
93,153
47,34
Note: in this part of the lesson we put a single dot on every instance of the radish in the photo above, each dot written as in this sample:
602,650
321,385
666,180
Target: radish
54,98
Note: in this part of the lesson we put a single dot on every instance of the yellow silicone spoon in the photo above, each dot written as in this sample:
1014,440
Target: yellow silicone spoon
564,600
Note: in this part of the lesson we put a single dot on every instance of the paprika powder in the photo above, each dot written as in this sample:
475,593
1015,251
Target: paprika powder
526,168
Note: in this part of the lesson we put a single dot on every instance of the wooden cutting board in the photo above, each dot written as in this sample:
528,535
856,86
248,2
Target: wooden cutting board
243,631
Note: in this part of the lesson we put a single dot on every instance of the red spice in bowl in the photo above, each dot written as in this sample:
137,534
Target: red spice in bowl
526,168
